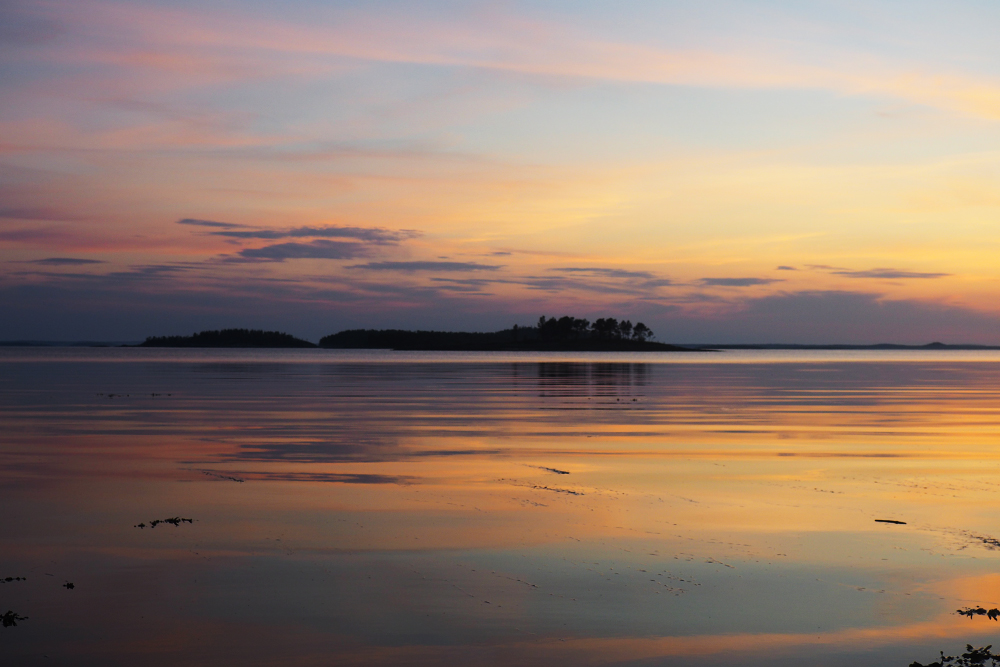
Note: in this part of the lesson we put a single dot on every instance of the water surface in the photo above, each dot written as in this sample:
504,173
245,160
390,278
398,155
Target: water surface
380,508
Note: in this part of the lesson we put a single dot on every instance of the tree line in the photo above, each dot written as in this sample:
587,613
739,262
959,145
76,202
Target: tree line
229,338
605,328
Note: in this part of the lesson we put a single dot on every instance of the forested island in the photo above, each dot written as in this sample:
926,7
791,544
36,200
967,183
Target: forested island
563,334
606,334
229,338
549,335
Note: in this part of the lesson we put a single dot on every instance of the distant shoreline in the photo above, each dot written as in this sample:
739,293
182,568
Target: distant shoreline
564,334
517,339
230,338
652,347
533,346
879,346
68,343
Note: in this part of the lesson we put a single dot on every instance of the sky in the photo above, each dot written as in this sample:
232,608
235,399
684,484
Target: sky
746,171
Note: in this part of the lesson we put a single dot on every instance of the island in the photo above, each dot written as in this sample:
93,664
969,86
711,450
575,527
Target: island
566,333
229,338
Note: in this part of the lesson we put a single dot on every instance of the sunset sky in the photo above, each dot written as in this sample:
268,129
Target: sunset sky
814,172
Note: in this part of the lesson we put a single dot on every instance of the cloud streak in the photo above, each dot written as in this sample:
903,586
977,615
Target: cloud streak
65,261
889,274
318,249
372,234
564,284
606,273
194,222
35,213
737,282
426,266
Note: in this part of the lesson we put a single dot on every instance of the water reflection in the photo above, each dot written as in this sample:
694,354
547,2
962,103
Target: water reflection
518,512
563,379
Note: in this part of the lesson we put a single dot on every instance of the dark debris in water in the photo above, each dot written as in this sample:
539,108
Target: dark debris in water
69,585
7,580
550,488
991,614
971,657
10,619
176,521
899,523
991,543
540,487
335,478
553,470
217,475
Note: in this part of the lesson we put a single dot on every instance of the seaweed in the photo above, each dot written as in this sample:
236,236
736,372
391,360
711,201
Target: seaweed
175,520
10,619
230,478
991,614
552,470
971,657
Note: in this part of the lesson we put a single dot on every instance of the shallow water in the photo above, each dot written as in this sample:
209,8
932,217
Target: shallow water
431,508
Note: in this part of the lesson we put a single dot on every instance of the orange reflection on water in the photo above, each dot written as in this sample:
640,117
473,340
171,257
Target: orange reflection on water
509,513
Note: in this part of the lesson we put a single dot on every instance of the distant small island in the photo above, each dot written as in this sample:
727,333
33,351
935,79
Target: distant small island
567,333
229,338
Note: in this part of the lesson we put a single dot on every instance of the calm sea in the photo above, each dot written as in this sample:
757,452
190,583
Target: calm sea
388,508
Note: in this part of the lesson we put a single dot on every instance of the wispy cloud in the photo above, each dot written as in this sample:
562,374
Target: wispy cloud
607,273
145,275
737,282
426,266
35,213
370,234
889,273
559,284
318,249
51,235
65,261
210,223
152,270
787,268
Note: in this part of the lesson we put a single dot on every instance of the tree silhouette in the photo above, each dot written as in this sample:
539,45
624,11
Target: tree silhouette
641,332
563,329
606,328
568,328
